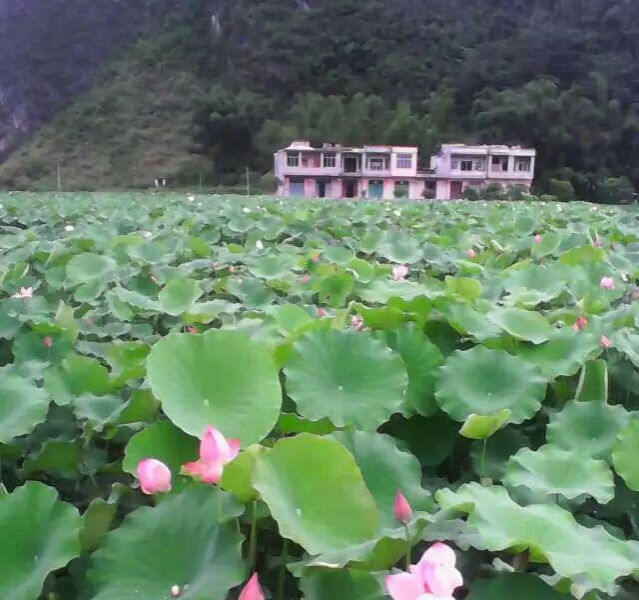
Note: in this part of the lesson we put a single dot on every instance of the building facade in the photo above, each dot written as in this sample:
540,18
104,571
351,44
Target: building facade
387,172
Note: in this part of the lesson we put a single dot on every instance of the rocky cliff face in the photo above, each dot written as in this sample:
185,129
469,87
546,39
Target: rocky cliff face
51,49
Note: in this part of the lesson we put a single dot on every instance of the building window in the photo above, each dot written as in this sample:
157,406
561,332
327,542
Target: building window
454,165
479,165
523,165
404,161
500,163
466,165
329,161
293,159
377,164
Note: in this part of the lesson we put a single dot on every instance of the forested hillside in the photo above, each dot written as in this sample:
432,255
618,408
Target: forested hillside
218,85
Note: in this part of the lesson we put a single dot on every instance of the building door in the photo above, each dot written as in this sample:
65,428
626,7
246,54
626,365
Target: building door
296,188
323,189
375,189
456,190
349,188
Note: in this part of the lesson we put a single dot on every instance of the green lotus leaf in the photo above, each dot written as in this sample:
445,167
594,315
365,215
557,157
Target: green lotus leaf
85,375
593,382
178,296
218,378
588,427
316,493
237,477
585,254
22,405
430,439
277,266
466,320
627,342
90,268
625,452
38,534
324,584
534,284
386,471
483,382
96,522
466,287
549,532
478,427
347,376
381,291
422,359
552,470
563,354
179,542
399,248
514,586
522,324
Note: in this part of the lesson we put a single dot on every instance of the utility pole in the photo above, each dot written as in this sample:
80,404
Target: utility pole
248,182
59,179
200,182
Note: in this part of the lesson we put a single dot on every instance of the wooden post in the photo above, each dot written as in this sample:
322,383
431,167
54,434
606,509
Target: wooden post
248,182
59,179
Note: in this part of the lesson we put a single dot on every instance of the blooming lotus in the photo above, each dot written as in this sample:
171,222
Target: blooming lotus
357,323
434,577
191,198
321,312
607,283
400,272
47,342
402,509
215,452
259,245
175,591
471,253
537,239
252,590
605,342
69,228
154,476
580,323
305,278
24,293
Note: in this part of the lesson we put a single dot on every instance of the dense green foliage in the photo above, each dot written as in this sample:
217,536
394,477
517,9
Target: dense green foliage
211,99
496,389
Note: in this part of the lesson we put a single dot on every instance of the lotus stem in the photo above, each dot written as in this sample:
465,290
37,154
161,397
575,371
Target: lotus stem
482,464
408,547
253,537
281,579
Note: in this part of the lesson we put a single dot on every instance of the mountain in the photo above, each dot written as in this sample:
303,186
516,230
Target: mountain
204,88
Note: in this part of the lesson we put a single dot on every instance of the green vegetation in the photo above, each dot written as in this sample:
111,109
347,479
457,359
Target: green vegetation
210,98
479,358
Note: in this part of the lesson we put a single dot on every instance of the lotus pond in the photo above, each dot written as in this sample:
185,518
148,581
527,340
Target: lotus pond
195,390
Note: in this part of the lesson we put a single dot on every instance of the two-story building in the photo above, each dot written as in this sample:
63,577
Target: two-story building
386,172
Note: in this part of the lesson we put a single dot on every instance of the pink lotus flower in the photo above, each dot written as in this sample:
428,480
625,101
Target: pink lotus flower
305,278
471,253
192,330
315,258
635,294
24,293
357,323
175,591
537,239
215,452
47,342
153,278
604,342
598,243
433,578
154,476
231,269
402,509
88,322
252,590
580,323
400,272
321,312
607,283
